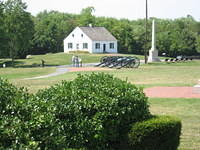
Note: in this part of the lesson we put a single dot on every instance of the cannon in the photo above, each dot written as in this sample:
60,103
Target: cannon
119,62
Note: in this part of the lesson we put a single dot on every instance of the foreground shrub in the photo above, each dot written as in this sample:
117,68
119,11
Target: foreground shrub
14,114
158,133
94,111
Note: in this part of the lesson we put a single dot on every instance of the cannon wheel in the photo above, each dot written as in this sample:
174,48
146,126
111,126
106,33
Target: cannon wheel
103,59
137,62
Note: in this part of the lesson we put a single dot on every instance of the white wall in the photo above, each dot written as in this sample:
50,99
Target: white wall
108,50
77,39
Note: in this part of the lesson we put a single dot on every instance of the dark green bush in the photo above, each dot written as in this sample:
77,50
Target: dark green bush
158,133
14,115
94,111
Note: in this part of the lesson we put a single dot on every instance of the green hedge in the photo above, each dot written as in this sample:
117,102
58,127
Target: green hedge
158,133
14,113
94,111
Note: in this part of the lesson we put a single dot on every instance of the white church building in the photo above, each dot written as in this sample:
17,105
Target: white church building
90,39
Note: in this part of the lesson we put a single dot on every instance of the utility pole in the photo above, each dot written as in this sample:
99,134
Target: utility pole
146,23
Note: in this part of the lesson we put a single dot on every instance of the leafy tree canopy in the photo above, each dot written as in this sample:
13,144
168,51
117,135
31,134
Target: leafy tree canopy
19,28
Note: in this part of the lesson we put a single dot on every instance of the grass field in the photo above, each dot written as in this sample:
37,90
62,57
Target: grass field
179,74
155,74
188,111
21,73
56,59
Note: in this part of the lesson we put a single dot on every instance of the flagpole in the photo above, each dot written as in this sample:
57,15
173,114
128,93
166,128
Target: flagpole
146,20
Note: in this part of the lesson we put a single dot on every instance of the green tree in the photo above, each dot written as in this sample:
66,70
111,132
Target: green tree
121,29
197,43
2,32
125,31
86,16
138,35
19,28
182,38
176,37
50,30
196,30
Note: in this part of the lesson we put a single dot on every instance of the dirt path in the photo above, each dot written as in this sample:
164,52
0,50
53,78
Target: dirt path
75,69
173,92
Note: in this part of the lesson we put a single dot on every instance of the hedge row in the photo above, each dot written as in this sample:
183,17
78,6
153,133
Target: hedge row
14,115
158,133
94,111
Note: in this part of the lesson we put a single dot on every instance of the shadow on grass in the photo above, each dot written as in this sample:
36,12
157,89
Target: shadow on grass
8,63
21,64
35,65
178,63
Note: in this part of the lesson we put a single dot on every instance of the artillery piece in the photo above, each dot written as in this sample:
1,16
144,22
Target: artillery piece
119,62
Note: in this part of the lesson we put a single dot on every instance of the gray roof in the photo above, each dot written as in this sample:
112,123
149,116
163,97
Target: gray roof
98,34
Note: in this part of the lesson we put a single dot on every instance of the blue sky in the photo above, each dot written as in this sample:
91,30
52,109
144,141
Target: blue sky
131,9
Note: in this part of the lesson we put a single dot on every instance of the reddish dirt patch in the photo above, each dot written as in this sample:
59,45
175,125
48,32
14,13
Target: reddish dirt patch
173,92
76,69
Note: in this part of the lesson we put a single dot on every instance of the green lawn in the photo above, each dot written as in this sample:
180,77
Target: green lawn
188,111
21,73
179,74
155,74
163,74
56,59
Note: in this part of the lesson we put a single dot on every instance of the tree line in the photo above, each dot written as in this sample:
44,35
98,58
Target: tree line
22,34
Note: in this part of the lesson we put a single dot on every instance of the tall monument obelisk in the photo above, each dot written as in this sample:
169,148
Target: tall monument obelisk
153,52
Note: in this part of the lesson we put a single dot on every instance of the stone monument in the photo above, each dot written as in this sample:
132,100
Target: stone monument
153,52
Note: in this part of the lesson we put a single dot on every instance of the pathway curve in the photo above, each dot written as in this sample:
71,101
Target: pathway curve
59,70
63,69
